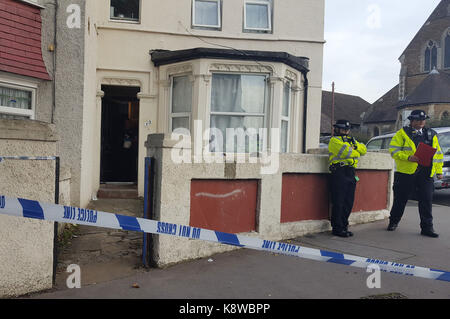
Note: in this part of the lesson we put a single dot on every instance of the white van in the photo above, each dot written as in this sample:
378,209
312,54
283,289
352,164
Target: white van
382,143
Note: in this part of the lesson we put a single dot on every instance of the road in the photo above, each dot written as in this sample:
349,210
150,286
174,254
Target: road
442,197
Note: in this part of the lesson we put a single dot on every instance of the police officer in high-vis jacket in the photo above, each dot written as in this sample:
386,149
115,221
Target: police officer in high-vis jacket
344,153
410,176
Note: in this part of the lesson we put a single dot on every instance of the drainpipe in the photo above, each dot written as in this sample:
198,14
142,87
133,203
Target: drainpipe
305,111
55,40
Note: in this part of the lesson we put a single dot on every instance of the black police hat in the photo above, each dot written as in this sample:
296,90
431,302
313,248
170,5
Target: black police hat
418,115
343,124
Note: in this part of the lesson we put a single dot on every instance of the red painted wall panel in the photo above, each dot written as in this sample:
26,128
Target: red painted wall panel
371,191
304,197
224,205
20,40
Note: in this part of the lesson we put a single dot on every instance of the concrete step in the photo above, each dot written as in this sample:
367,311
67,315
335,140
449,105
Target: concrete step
124,191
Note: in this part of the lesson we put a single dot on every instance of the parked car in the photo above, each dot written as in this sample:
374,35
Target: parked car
324,140
382,143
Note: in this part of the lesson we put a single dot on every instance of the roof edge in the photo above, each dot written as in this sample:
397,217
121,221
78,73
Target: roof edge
164,57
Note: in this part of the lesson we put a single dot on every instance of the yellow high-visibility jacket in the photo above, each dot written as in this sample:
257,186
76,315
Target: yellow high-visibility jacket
402,147
341,150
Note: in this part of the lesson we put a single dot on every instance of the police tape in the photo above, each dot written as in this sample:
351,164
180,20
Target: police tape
30,158
32,209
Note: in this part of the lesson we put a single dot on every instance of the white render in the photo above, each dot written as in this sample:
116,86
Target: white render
117,53
26,245
173,191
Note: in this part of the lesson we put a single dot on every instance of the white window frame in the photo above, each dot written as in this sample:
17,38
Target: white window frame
125,20
15,111
219,15
269,15
286,118
265,115
183,114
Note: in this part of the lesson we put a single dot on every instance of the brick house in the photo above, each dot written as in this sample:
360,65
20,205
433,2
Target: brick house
23,74
429,50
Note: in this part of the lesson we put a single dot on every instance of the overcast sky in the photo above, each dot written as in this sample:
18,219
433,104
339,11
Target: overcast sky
365,38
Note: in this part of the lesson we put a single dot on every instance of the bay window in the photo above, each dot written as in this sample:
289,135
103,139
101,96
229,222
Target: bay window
181,102
239,101
285,116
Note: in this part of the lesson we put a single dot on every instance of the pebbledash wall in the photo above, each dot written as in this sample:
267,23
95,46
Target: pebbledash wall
26,245
236,198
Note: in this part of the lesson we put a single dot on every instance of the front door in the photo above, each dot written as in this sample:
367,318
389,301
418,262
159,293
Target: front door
120,134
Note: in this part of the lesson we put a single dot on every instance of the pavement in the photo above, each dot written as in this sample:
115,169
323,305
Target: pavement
249,274
97,249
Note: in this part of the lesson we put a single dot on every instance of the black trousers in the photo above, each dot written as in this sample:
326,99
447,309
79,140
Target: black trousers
404,186
343,186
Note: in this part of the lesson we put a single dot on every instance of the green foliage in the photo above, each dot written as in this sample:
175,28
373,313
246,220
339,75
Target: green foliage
67,234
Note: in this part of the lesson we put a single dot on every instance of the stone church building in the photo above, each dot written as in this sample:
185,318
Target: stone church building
424,80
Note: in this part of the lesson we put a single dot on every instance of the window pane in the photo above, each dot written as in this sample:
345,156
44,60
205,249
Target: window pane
13,117
427,59
447,51
206,13
238,93
444,142
125,9
181,94
433,58
375,145
242,143
15,98
180,122
284,136
257,16
286,99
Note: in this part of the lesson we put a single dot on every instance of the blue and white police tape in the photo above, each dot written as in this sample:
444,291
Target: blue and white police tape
67,214
29,158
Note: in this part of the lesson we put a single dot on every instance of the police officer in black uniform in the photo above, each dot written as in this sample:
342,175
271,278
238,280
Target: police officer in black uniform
419,181
344,154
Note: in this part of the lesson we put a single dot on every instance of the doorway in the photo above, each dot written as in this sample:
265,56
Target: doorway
120,135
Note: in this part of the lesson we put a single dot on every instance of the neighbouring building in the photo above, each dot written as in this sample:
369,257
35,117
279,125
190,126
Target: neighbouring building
25,81
350,107
423,80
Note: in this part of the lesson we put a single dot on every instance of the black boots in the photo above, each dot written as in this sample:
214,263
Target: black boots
392,226
343,233
429,233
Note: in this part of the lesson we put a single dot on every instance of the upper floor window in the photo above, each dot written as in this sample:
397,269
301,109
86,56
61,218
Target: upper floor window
16,102
125,10
181,102
206,13
257,16
430,57
447,50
